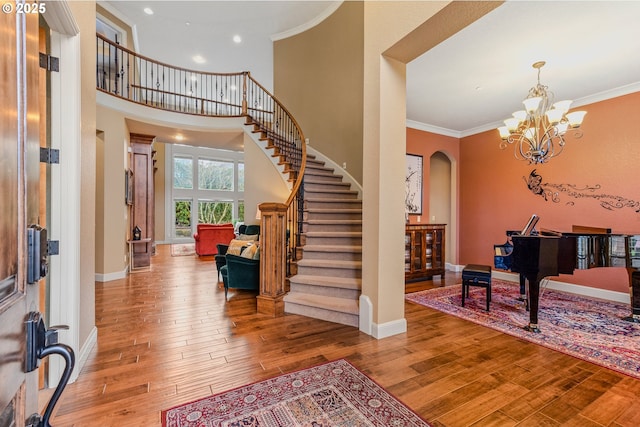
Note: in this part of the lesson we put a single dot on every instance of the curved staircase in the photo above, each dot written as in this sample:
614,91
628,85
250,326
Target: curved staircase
328,282
328,244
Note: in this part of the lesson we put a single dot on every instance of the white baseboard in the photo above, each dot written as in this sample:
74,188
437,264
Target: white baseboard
367,325
111,276
83,355
453,267
621,297
388,329
365,314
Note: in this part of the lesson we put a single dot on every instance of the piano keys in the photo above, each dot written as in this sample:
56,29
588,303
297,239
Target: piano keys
550,254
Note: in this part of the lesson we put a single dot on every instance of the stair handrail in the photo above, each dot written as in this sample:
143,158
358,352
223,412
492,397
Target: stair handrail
126,74
289,139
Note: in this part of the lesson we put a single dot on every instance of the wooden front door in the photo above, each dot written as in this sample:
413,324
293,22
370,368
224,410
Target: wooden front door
19,203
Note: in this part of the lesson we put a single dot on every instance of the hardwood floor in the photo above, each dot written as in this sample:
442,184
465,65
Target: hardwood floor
166,337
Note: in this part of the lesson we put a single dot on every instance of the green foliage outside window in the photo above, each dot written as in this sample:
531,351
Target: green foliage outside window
241,210
215,212
183,218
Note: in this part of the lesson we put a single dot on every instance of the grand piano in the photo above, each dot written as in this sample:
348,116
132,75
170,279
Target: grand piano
550,253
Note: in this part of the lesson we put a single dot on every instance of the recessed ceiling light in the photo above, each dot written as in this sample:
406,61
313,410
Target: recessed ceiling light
237,38
199,59
187,23
148,11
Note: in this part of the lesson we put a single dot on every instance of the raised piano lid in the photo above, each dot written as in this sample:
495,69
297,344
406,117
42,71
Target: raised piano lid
583,229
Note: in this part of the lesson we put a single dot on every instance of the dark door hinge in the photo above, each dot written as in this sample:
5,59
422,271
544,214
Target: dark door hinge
49,155
53,247
50,63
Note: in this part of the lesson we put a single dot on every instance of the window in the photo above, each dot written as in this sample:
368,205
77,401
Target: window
182,172
220,212
240,176
182,215
241,210
203,185
215,175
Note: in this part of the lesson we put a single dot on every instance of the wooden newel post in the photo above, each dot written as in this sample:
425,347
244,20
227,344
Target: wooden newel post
273,258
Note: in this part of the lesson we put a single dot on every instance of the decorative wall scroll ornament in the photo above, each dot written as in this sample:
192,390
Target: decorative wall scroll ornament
413,185
553,192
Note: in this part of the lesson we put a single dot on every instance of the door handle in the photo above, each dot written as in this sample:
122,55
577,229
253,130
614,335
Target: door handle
43,342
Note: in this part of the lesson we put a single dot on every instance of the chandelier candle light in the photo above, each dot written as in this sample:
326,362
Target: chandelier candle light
539,130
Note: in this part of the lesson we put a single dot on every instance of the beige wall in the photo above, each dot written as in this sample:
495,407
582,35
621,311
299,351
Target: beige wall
84,13
111,247
395,33
262,181
100,229
318,78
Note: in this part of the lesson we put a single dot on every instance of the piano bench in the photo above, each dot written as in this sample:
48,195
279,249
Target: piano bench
476,275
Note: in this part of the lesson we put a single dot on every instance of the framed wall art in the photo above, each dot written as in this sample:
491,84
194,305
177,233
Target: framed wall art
413,185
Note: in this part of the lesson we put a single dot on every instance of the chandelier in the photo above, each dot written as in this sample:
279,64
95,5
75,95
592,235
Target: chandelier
539,130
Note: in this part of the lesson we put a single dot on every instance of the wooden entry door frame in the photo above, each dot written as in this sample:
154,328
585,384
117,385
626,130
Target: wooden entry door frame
19,207
65,181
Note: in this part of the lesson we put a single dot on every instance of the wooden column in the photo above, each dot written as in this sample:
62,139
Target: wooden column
273,262
142,210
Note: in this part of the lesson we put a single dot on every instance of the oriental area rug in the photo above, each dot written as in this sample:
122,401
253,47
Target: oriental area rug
332,394
587,328
183,249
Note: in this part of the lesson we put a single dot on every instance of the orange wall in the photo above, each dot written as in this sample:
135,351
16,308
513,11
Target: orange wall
494,196
425,144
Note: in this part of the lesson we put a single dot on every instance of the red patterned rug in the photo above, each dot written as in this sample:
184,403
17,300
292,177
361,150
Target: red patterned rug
332,394
587,328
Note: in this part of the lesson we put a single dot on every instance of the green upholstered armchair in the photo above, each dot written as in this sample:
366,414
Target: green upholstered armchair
220,257
240,273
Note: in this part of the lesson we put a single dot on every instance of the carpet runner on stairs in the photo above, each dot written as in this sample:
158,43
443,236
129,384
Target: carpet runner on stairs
328,282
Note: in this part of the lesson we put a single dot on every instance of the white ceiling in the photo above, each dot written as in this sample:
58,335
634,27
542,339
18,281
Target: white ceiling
478,77
467,84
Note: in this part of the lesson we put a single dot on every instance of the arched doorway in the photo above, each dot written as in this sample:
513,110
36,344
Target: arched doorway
441,196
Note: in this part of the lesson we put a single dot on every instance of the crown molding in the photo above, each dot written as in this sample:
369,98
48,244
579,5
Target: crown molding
60,18
591,99
433,129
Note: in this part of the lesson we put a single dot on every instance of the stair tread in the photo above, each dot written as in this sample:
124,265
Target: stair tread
334,221
337,210
338,282
342,305
332,233
321,182
311,169
328,190
333,248
329,199
331,263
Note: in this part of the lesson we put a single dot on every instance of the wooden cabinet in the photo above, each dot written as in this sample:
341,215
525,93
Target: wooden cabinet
142,209
423,251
